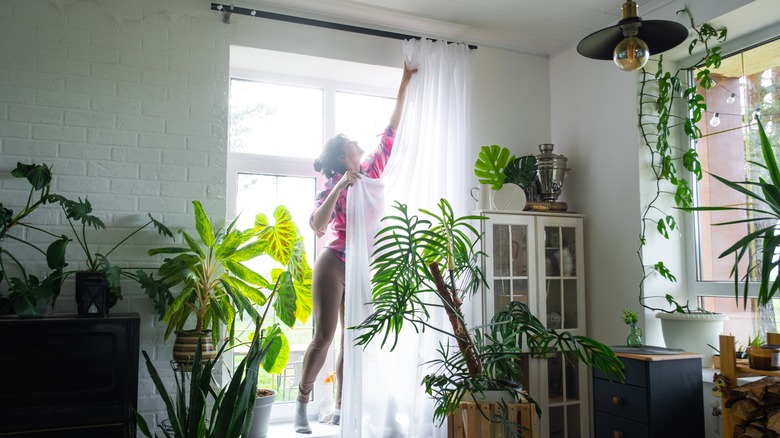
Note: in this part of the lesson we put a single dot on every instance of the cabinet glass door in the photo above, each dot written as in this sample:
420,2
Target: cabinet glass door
563,392
560,277
510,265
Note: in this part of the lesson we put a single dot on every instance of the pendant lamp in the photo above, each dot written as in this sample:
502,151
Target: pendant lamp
630,42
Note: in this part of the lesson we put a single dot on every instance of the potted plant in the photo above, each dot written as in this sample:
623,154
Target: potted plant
666,105
220,258
434,255
661,94
497,167
96,280
631,317
199,410
29,295
215,283
98,284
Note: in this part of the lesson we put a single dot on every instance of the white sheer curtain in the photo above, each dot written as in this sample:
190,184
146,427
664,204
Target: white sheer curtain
383,396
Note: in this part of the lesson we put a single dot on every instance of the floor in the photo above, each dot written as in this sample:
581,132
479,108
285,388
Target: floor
319,430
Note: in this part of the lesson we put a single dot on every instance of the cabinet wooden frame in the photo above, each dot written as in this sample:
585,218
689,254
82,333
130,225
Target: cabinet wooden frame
573,405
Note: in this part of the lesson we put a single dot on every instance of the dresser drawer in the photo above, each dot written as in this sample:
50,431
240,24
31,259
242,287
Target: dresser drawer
626,401
635,372
610,426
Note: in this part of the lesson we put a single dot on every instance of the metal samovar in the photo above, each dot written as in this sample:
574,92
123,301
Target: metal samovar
551,168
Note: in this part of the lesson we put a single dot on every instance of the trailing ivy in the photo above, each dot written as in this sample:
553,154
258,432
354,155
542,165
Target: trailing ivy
662,96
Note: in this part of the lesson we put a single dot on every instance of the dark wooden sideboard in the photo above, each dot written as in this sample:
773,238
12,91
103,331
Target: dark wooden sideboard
661,397
64,376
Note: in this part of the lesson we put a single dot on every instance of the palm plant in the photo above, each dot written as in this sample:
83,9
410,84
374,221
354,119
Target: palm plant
408,283
762,216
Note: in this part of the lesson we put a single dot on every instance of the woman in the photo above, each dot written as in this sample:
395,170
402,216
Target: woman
340,163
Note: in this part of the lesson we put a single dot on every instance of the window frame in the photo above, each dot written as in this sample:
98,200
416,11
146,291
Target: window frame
696,288
360,81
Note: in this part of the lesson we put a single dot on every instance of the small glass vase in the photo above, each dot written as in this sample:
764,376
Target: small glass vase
634,338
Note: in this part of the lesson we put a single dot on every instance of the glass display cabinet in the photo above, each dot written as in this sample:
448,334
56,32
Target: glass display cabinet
537,259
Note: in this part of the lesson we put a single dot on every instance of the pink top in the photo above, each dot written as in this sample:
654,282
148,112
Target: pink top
335,235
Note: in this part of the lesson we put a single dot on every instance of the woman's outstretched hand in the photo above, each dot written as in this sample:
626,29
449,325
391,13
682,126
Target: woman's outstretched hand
400,99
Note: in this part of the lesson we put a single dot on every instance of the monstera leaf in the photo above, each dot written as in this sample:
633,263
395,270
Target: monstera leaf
491,165
521,171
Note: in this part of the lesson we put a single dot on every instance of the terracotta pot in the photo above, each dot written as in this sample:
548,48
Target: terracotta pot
186,345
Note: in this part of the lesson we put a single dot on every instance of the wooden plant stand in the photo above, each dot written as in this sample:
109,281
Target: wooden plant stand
469,422
741,404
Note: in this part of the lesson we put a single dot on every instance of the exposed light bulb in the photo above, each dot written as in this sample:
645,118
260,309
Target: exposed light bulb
731,99
715,120
631,54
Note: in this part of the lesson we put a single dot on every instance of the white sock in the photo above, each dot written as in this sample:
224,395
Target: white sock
336,416
301,421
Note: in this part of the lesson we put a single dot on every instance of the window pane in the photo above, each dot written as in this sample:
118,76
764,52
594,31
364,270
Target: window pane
363,118
745,87
272,119
261,194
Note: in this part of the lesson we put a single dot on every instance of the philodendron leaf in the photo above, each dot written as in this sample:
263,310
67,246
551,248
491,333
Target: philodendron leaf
303,298
284,304
55,253
521,171
38,175
280,237
491,164
278,350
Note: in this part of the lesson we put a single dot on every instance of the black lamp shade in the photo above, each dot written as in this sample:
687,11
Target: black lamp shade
659,35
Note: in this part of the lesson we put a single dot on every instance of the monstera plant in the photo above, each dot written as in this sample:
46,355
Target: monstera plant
496,165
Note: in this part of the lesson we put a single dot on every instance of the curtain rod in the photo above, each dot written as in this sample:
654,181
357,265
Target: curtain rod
228,10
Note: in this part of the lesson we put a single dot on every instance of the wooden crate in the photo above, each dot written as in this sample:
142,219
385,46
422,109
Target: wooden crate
469,422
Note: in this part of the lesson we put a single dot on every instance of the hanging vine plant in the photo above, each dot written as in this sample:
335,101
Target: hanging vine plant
662,95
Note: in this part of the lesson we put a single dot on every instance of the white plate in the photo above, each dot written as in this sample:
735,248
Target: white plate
510,197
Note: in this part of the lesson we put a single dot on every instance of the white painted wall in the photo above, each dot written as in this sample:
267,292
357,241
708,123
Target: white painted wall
596,130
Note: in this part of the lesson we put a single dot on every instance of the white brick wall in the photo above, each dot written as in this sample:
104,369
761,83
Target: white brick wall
127,101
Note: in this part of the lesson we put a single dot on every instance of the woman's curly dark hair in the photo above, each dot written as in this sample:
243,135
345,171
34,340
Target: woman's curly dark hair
329,163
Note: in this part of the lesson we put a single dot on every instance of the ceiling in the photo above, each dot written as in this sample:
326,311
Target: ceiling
538,27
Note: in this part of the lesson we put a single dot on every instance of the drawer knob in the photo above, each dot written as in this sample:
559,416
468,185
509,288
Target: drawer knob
617,401
617,434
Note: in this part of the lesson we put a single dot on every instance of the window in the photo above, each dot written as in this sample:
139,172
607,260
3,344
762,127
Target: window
280,116
746,88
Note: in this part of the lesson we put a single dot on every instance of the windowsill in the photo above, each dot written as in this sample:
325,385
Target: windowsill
319,430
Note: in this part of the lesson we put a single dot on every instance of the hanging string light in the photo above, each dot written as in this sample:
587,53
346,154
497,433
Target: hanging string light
715,120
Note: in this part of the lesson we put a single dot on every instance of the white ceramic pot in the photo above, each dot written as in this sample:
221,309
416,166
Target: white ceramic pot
510,197
692,332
